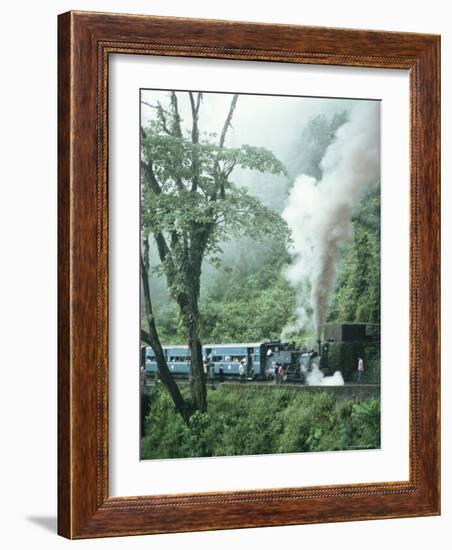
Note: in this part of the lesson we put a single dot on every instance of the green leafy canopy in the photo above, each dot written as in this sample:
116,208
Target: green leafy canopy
195,192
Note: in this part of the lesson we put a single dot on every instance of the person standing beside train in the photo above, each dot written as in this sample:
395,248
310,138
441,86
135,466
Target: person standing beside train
210,366
275,371
206,366
142,375
242,371
269,364
360,370
281,374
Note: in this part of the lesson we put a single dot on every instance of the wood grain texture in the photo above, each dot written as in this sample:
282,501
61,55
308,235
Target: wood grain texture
64,295
85,42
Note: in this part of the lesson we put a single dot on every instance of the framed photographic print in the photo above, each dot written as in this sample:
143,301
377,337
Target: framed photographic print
248,275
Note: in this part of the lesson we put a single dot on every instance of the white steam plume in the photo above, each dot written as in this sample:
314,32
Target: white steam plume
319,213
317,378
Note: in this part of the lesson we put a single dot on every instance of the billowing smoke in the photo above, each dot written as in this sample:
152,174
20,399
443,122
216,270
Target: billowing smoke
317,378
319,213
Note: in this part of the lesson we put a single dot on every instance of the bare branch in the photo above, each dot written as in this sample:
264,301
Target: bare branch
221,177
145,245
229,169
194,114
177,130
145,337
161,114
227,122
162,247
153,340
198,100
143,102
148,172
195,140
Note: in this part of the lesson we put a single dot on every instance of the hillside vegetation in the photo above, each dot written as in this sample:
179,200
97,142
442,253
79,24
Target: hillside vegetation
249,420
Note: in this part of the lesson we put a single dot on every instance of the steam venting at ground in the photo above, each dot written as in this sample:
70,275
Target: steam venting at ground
317,378
319,213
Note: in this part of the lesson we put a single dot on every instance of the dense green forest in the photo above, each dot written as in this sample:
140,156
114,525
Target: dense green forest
246,297
245,420
217,262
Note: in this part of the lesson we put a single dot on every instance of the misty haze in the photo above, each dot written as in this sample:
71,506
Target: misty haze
260,274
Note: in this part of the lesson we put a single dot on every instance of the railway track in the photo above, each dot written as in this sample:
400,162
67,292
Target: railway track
349,391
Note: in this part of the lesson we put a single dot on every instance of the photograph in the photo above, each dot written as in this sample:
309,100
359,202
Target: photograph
225,233
260,274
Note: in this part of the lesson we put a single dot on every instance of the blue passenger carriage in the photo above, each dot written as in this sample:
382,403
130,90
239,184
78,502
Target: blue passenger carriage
226,358
150,364
177,358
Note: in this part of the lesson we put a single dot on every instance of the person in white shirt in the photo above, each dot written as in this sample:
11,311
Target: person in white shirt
360,369
242,371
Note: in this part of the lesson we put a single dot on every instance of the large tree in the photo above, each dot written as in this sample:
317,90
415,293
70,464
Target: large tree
190,206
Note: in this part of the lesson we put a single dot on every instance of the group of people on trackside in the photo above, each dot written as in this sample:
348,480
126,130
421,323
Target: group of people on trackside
209,370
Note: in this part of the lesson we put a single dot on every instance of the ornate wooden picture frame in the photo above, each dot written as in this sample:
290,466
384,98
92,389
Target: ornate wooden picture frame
86,40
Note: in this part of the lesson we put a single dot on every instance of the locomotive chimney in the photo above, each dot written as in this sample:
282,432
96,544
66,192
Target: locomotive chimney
319,340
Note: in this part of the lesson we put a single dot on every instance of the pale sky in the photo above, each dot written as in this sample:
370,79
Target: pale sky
259,120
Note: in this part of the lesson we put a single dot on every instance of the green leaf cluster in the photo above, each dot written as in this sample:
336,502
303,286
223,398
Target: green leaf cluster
251,300
357,293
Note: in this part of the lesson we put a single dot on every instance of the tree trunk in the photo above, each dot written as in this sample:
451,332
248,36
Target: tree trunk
189,307
165,374
198,379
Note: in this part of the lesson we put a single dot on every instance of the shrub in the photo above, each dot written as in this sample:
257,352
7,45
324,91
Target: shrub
250,420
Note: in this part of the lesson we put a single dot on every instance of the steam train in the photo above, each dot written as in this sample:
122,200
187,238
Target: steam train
260,359
340,348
